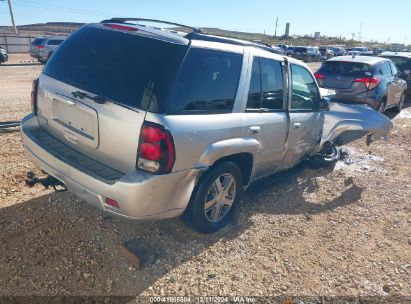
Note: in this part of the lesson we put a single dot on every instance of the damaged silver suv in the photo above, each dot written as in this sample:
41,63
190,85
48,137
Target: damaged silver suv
149,123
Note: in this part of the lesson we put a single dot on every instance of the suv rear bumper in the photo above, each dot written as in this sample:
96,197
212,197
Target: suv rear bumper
140,195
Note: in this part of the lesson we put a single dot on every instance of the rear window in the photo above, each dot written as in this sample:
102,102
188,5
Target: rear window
54,42
134,71
207,82
38,41
345,68
402,63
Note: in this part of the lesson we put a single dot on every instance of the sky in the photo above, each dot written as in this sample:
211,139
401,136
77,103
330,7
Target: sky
380,20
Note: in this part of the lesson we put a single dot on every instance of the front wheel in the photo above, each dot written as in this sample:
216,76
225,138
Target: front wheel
215,198
327,156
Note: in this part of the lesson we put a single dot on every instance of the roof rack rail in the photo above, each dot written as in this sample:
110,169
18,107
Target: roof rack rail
230,40
123,20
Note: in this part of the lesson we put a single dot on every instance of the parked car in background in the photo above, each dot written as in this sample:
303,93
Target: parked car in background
42,48
282,46
377,51
353,53
361,79
339,51
3,55
145,123
360,49
278,50
290,51
326,53
402,61
307,54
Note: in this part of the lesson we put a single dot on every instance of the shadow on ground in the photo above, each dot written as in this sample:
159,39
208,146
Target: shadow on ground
56,245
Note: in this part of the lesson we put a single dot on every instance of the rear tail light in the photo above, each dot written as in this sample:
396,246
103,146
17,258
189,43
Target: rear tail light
369,82
319,76
122,27
111,202
34,87
156,152
40,46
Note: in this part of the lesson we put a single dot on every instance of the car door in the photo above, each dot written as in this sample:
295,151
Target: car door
265,118
306,121
398,84
391,86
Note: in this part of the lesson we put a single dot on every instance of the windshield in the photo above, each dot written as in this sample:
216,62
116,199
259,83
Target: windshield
126,68
402,63
346,68
38,41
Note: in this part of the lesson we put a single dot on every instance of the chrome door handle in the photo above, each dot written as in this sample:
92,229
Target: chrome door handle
254,130
297,125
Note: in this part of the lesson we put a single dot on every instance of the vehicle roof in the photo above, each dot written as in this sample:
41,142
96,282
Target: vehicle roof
184,38
361,59
396,54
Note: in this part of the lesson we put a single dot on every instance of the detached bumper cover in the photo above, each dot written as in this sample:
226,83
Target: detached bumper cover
141,196
347,122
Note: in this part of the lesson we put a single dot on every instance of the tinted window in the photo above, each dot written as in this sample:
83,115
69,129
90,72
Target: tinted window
254,93
272,84
129,69
393,69
54,42
266,85
345,68
385,69
38,41
208,81
402,63
305,93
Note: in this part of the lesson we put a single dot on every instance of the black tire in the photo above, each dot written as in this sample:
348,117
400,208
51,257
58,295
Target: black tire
327,156
381,106
195,214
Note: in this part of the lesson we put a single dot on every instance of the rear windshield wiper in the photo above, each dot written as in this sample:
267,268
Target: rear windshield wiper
96,99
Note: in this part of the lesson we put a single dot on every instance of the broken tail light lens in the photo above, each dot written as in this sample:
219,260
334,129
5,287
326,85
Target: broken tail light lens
369,82
34,87
156,153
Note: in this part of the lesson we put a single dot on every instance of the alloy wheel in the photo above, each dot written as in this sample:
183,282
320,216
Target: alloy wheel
220,197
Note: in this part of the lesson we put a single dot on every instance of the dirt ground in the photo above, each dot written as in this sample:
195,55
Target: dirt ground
342,231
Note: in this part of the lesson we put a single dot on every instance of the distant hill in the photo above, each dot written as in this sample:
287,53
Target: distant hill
44,28
69,27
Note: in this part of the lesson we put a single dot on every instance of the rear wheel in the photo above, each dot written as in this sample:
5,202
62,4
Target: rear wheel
215,198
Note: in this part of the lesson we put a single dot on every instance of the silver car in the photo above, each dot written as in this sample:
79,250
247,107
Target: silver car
147,123
42,48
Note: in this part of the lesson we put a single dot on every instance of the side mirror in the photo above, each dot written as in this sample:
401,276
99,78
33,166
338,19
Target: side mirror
323,105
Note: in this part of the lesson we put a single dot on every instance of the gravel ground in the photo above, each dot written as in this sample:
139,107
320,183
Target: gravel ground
340,231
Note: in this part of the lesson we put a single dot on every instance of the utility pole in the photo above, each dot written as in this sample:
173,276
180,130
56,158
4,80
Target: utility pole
359,37
12,17
276,26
